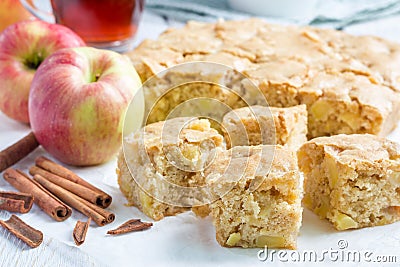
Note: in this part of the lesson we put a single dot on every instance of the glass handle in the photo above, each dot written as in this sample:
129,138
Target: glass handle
38,12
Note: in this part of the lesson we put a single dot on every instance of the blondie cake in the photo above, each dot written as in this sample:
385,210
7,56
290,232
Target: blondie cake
259,197
258,125
352,180
161,165
349,84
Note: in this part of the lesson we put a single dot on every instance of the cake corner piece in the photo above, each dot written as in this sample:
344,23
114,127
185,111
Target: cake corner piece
352,180
165,157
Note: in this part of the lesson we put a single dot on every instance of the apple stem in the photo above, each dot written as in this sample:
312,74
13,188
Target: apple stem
34,61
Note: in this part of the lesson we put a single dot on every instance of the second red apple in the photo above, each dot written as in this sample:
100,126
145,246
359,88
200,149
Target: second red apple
78,101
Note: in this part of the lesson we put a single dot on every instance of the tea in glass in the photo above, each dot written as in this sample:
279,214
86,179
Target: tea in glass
101,23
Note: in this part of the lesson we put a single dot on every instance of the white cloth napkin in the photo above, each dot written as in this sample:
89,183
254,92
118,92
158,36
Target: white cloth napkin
51,252
329,13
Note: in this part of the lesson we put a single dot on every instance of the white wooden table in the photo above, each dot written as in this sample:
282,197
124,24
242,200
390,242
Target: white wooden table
175,241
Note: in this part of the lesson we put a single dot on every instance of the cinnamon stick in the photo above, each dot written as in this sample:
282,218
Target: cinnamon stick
16,202
71,200
80,231
51,205
51,166
109,216
23,231
130,226
77,189
17,151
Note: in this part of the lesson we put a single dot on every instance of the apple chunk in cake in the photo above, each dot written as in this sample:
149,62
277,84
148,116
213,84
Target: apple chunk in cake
259,197
258,125
352,180
166,160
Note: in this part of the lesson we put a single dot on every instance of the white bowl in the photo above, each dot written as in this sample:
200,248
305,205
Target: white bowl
293,9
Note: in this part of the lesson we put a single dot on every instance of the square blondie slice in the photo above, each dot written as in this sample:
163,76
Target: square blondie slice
352,180
259,194
162,163
258,125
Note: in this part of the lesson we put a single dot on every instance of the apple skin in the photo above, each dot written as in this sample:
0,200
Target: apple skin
77,103
23,46
12,11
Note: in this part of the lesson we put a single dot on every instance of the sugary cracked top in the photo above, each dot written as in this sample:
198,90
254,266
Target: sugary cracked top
297,56
359,149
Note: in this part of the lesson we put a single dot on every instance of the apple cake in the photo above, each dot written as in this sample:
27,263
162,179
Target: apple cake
259,196
349,84
160,169
352,180
258,125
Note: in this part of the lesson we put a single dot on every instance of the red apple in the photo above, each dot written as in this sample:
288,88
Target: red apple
23,46
12,11
77,103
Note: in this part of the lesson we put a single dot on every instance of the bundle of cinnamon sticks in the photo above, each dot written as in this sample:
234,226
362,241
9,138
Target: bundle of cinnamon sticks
55,189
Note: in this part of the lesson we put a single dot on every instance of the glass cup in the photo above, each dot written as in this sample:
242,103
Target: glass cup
106,24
